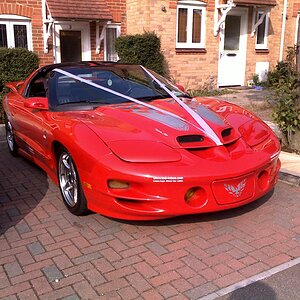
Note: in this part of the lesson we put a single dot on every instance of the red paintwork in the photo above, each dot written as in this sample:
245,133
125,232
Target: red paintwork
113,142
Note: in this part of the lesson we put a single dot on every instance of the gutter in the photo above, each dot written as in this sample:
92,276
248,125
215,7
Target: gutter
284,15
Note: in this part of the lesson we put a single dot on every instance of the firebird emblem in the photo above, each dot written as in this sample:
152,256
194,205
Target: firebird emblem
235,191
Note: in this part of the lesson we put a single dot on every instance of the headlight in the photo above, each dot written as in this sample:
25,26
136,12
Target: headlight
143,151
254,132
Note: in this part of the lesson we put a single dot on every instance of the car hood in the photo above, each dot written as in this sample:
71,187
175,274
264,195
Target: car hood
133,122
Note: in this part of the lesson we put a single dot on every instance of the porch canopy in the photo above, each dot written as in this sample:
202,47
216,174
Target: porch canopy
255,2
78,9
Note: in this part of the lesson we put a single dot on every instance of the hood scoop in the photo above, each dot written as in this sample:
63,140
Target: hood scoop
194,141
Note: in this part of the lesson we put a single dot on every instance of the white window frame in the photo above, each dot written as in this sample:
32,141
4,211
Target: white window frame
110,26
10,21
190,6
266,33
297,24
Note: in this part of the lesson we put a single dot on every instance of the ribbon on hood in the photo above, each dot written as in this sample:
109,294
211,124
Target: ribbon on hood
203,126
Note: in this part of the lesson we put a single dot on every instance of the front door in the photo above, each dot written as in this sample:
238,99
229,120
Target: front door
233,46
70,45
72,41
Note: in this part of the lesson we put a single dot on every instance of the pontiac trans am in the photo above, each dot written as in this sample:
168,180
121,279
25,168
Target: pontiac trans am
127,143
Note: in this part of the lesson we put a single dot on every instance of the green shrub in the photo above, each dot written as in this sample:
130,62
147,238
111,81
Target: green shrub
15,64
144,49
282,82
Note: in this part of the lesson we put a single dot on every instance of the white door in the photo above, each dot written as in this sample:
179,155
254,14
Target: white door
72,42
233,47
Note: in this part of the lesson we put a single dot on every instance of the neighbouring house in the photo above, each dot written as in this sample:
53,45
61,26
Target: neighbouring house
208,42
63,30
215,42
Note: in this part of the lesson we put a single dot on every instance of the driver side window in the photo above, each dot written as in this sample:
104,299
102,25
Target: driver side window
37,88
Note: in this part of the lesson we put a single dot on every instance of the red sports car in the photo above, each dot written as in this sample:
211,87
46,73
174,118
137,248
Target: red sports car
125,142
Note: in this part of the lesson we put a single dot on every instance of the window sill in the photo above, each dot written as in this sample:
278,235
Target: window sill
190,50
262,51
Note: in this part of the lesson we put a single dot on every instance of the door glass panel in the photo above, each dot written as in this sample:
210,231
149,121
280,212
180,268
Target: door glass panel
3,36
111,53
232,33
197,14
20,32
70,45
182,25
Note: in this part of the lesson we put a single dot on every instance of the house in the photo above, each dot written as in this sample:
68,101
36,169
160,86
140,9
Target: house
63,30
207,42
218,42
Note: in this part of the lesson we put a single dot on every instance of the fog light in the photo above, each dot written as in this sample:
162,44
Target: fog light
196,197
263,180
118,184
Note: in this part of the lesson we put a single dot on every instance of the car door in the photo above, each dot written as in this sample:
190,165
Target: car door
30,121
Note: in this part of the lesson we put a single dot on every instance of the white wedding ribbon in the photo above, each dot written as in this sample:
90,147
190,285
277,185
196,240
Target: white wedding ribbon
200,121
204,127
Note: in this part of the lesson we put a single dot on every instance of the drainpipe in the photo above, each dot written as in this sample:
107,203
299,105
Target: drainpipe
283,29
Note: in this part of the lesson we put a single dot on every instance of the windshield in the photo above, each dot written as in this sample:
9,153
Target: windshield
128,80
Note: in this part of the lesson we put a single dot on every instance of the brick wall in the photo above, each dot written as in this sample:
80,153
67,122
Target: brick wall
34,12
193,69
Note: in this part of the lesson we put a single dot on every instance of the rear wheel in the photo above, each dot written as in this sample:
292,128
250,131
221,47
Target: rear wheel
69,184
10,138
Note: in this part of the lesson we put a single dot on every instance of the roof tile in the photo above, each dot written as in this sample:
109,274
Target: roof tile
78,9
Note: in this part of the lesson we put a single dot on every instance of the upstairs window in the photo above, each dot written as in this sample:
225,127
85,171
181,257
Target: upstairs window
262,31
15,32
190,24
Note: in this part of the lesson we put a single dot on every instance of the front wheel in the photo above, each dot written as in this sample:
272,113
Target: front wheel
10,138
69,184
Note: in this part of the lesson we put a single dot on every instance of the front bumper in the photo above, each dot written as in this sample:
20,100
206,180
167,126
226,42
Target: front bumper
163,194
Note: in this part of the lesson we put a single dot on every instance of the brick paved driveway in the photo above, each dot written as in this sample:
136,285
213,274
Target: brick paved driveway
46,253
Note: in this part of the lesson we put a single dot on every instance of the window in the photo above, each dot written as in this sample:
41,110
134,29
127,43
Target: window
15,32
190,24
262,31
112,32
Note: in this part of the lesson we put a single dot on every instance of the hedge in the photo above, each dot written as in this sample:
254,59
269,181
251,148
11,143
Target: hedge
144,49
15,64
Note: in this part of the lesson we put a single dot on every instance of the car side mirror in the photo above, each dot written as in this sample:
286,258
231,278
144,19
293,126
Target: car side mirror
180,87
40,103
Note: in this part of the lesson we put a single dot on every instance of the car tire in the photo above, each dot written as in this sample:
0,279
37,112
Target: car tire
10,138
69,184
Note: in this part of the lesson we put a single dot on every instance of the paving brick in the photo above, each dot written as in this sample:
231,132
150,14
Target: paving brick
13,269
194,263
36,248
164,278
152,295
25,258
85,290
229,279
103,265
22,228
156,248
17,288
181,285
72,251
58,294
94,277
110,255
4,282
222,269
128,293
26,295
52,273
71,297
200,291
119,273
41,285
167,291
137,281
26,277
67,281
62,261
112,286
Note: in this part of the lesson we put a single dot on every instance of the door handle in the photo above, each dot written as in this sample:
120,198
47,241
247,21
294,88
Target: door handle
231,54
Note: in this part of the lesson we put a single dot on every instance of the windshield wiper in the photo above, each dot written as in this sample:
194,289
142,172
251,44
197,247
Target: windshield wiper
151,98
85,102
